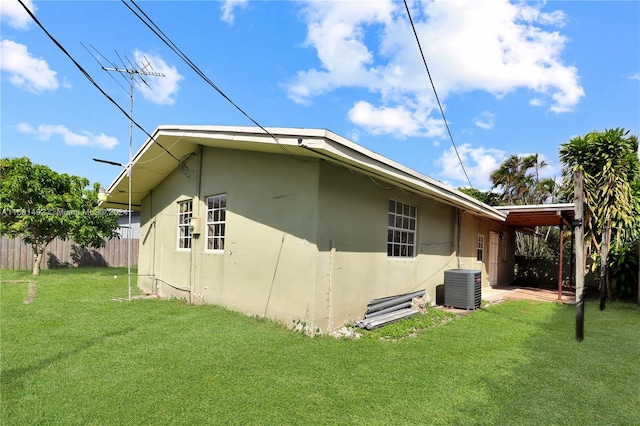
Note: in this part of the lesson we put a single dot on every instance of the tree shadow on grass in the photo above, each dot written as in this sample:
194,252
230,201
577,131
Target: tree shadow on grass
12,377
558,380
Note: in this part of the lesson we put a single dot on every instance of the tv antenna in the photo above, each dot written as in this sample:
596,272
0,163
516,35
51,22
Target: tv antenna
140,71
135,69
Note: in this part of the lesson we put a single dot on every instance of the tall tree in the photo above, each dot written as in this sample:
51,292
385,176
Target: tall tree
487,197
609,161
509,179
39,205
519,180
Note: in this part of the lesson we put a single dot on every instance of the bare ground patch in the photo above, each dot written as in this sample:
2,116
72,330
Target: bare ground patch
32,289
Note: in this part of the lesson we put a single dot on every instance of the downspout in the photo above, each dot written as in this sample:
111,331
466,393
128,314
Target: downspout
193,263
153,246
457,236
332,255
199,177
190,279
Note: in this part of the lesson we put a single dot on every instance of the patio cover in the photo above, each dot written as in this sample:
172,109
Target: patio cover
526,218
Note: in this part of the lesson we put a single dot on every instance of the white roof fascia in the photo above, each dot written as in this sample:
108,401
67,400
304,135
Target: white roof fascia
400,174
320,143
558,207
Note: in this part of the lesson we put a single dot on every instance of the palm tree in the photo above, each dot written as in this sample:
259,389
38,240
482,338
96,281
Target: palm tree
506,177
610,165
519,179
546,190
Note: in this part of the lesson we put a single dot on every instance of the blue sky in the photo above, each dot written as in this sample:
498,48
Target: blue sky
513,77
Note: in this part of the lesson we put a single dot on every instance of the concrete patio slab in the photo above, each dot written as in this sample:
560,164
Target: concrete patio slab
499,294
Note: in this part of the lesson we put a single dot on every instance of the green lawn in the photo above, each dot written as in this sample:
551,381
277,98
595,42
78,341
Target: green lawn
74,356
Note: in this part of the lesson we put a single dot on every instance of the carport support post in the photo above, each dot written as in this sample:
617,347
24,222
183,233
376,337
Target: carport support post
579,239
560,261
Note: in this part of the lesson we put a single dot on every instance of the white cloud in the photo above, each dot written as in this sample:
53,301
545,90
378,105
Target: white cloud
14,15
635,77
161,90
354,135
478,162
485,121
533,14
24,70
45,132
489,45
398,120
228,10
536,102
336,30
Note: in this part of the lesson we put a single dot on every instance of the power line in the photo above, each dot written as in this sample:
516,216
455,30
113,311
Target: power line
145,19
436,93
88,76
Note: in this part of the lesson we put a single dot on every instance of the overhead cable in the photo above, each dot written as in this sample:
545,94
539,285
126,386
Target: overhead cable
88,76
436,93
144,18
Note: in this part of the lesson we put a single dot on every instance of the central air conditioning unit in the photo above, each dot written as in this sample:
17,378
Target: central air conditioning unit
463,288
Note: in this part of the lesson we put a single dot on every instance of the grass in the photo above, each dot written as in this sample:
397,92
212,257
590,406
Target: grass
74,356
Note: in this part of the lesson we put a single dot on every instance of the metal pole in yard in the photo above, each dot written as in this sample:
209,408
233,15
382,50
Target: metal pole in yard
140,71
579,241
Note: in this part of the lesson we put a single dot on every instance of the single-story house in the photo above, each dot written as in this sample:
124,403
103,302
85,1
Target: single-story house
124,231
299,225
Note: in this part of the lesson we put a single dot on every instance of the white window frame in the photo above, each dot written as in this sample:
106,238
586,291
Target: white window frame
185,213
480,248
216,222
402,225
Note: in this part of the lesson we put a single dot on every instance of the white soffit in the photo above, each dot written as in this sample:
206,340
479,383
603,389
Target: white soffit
152,163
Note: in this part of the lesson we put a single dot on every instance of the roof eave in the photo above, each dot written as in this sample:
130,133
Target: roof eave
318,143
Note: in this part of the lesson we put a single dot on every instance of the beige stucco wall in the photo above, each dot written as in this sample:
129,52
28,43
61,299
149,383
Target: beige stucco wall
352,233
268,265
305,240
471,227
159,257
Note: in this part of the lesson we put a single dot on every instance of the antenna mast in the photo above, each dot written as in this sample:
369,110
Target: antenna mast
145,70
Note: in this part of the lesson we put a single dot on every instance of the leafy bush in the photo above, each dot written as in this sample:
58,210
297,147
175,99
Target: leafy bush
623,269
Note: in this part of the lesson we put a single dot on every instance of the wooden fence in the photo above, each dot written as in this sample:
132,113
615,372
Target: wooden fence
15,254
